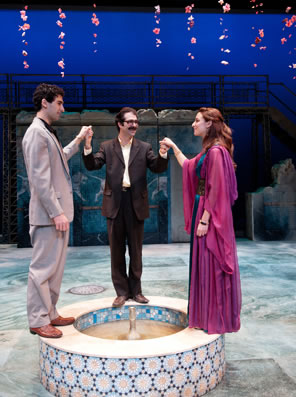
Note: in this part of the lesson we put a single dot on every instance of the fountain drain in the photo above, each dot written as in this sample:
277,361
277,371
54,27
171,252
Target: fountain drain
86,290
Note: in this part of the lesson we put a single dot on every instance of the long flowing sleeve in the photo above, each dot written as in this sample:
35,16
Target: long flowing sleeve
190,181
220,194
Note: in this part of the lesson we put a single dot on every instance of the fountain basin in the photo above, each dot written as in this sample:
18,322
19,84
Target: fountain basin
187,363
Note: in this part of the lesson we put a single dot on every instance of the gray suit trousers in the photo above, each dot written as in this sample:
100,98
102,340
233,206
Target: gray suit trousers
45,273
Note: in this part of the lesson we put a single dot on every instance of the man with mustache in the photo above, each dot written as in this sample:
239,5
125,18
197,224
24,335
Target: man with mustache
125,201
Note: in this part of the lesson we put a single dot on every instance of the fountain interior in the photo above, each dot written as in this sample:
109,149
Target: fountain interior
132,323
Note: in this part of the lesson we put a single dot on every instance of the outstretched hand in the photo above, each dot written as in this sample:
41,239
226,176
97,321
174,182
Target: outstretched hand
85,131
88,138
167,142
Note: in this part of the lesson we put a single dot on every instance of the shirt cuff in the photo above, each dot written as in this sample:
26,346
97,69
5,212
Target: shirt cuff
164,156
87,151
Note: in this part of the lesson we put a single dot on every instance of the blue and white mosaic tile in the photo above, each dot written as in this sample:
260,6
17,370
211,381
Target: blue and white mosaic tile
144,312
188,374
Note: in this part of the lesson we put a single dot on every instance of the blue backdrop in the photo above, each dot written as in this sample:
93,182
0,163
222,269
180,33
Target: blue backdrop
126,44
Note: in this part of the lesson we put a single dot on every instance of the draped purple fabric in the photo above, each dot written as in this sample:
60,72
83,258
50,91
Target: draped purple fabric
215,290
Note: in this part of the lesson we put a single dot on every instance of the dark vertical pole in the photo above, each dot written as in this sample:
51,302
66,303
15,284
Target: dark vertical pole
267,149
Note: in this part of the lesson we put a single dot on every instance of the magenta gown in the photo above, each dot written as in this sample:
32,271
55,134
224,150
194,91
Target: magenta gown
214,285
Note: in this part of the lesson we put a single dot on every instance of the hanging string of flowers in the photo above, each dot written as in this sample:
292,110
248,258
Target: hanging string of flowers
156,30
96,22
59,22
224,36
24,29
260,32
289,23
190,25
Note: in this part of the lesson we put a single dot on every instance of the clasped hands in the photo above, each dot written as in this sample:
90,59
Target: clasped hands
85,132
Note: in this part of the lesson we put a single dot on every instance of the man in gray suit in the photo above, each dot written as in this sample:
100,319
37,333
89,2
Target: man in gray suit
50,209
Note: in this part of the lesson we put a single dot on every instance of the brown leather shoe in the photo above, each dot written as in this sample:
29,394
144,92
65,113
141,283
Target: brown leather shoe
47,331
119,301
62,321
140,298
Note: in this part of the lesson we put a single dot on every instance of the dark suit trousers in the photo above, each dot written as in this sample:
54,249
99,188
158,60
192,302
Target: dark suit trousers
126,228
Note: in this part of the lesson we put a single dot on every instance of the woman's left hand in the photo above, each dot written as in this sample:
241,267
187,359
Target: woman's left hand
202,230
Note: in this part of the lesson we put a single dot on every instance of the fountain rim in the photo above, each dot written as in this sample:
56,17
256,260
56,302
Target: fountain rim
74,341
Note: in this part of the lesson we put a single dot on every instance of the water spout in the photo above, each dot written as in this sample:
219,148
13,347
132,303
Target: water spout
133,334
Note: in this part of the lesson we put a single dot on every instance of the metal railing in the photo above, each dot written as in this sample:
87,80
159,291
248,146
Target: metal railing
152,91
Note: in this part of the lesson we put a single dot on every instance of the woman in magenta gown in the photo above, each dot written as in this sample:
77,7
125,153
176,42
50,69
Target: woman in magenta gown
209,191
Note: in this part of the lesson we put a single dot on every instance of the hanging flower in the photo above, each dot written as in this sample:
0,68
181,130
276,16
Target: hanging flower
188,9
156,31
95,21
226,8
24,28
61,64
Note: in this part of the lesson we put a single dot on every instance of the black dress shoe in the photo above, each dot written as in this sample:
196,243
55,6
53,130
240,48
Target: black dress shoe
140,298
119,301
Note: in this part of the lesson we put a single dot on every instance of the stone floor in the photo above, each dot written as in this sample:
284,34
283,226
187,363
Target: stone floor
261,357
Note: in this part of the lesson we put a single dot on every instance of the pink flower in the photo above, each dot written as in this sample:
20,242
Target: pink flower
63,15
95,20
23,15
62,35
188,9
59,23
288,9
225,63
193,40
261,33
24,53
283,40
257,40
95,35
226,8
94,5
157,9
25,63
25,26
63,74
255,65
156,30
61,64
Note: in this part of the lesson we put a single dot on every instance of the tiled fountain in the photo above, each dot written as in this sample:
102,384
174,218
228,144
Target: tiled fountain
186,363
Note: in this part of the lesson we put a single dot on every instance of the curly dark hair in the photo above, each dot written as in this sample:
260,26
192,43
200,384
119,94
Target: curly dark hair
46,91
119,118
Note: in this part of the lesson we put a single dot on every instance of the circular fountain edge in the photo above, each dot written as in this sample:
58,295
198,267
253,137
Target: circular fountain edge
75,342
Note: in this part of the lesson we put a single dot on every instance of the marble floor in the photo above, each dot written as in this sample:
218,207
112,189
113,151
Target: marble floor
261,357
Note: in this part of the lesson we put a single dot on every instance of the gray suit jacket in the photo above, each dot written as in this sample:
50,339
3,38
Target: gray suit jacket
48,174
